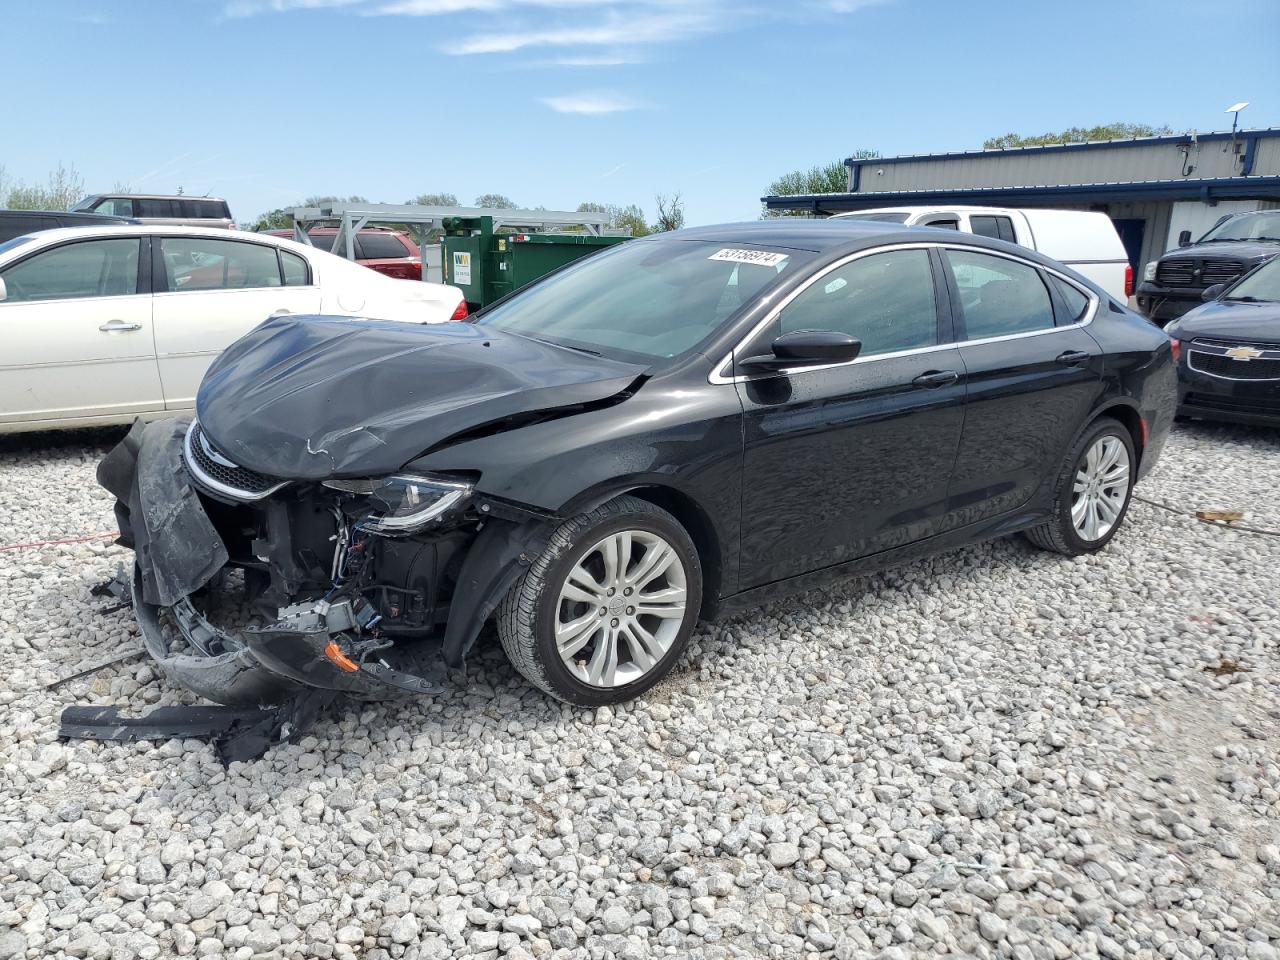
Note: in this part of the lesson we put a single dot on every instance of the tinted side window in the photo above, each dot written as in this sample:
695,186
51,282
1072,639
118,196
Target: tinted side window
1075,301
198,263
296,273
323,241
91,268
376,246
11,227
997,228
205,209
943,223
999,296
115,207
885,300
158,208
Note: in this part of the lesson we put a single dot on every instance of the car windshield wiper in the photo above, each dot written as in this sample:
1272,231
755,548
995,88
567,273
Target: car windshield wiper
568,346
1249,299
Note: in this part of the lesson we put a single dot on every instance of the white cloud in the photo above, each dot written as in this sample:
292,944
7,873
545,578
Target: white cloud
645,27
606,60
591,103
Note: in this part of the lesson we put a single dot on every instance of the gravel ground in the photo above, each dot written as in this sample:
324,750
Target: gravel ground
994,753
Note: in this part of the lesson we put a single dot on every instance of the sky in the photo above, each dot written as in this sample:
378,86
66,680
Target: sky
556,102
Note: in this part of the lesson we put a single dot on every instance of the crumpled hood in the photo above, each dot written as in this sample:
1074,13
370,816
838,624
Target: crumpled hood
309,398
1227,320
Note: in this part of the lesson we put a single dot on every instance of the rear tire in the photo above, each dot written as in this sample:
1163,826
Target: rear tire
1092,493
606,611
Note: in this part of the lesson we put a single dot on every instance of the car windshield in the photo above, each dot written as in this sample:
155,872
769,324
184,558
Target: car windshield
1263,225
1262,284
644,299
879,217
85,205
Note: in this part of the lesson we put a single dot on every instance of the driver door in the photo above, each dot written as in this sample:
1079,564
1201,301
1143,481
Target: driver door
846,460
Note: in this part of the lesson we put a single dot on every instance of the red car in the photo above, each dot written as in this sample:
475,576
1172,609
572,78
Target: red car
390,252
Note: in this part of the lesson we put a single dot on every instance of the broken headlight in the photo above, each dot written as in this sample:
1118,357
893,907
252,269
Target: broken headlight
403,504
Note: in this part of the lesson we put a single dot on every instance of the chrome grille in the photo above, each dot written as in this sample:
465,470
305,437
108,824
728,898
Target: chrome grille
1194,272
1215,358
216,473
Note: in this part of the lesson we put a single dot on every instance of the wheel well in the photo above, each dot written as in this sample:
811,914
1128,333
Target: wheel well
1131,420
701,531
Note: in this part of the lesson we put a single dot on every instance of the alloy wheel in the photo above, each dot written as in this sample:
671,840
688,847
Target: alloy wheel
1101,488
620,608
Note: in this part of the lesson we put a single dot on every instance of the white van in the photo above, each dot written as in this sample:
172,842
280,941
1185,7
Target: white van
1085,241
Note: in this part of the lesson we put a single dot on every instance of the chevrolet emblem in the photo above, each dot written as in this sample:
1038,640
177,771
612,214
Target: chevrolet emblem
1243,353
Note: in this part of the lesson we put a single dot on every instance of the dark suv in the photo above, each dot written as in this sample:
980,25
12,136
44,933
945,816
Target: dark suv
178,210
1235,245
17,223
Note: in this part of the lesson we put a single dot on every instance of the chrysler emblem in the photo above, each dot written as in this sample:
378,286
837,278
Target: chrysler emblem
218,458
1243,353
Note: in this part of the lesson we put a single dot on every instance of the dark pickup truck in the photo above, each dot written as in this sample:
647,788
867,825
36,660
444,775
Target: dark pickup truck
1235,245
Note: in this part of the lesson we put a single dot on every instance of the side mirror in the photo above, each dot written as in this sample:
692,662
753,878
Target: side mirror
806,348
1184,238
1214,292
4,291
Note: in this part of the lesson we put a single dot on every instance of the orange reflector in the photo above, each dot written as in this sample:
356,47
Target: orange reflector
340,659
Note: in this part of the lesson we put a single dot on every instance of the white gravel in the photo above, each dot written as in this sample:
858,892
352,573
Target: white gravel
994,753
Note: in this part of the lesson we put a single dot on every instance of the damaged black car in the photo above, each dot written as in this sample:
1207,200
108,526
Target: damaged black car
666,431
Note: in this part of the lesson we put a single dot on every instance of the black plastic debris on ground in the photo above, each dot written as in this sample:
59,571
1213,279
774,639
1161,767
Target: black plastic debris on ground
237,733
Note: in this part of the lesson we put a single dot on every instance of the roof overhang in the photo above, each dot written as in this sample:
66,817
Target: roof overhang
1207,191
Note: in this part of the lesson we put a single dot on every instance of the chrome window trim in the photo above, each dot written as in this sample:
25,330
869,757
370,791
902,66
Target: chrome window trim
718,373
217,486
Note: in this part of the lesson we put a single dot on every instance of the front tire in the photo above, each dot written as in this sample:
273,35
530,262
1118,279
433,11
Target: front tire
607,610
1093,492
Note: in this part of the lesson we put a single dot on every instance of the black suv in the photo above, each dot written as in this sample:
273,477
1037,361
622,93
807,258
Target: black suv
1235,245
17,223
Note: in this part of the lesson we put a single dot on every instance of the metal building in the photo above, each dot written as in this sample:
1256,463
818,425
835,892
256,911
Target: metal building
1152,187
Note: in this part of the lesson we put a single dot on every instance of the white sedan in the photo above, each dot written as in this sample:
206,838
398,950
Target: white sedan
104,324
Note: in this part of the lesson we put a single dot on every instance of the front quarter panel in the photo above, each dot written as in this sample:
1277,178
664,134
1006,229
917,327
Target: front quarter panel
674,433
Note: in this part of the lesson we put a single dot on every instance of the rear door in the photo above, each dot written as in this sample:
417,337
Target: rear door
77,333
1033,372
209,293
854,458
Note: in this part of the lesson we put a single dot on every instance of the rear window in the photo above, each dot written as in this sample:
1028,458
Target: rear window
16,226
997,228
323,241
206,209
378,246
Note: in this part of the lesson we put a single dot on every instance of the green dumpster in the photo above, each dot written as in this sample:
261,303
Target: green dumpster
486,266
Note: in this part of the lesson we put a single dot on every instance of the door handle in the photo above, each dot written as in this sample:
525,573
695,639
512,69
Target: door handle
119,326
1072,358
936,378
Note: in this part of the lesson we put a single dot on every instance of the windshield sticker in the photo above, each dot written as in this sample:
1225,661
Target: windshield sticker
761,258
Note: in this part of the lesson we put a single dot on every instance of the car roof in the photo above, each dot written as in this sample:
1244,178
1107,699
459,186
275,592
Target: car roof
155,196
816,236
77,214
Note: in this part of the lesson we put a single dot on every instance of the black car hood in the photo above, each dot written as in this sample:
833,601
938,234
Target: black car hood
1234,250
308,398
1229,320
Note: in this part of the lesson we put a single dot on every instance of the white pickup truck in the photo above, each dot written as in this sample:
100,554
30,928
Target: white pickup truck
1085,241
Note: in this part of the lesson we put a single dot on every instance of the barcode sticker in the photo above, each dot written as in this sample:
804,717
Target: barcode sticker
761,258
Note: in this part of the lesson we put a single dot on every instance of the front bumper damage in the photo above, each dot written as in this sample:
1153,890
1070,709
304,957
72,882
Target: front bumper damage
373,619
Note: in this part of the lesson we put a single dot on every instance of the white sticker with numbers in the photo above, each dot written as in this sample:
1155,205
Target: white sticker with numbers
761,258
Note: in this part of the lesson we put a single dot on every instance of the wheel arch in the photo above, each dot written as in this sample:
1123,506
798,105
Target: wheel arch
702,530
1127,413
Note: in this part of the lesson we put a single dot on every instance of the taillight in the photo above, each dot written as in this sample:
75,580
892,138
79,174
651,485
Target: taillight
1128,280
1174,344
461,312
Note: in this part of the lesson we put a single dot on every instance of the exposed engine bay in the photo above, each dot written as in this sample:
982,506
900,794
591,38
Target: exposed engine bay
249,590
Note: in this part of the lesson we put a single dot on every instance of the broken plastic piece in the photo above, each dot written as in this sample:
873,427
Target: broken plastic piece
339,659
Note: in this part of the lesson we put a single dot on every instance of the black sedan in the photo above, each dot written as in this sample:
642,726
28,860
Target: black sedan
1230,346
669,430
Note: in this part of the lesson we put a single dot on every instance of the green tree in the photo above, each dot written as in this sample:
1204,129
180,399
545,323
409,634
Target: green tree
495,201
670,213
435,200
831,177
620,218
281,218
1106,131
61,191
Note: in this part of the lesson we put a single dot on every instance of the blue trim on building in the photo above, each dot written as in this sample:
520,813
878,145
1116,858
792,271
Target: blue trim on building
1208,191
855,162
